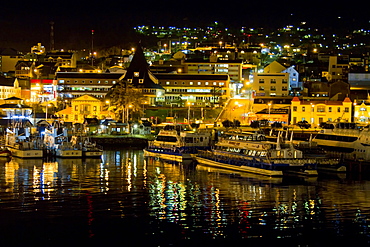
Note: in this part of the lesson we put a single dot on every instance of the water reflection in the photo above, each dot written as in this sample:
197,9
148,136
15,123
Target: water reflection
151,202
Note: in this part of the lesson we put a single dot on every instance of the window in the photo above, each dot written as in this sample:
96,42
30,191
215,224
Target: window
346,109
262,81
141,80
303,108
191,83
330,109
136,74
321,108
167,83
338,110
273,88
294,108
273,81
261,88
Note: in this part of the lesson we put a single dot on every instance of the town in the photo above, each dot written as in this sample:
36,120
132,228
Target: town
195,75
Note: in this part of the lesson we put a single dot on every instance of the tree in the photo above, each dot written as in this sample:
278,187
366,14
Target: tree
125,98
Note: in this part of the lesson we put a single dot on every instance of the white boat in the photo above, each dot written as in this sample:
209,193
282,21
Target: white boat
57,143
20,142
348,141
178,142
251,152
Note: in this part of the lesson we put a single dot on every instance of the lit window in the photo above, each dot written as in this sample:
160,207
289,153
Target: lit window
136,74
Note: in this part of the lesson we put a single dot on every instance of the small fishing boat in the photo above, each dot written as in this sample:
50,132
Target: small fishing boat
178,142
251,152
21,143
57,143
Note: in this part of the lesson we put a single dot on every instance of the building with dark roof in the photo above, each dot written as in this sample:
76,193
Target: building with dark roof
140,77
75,84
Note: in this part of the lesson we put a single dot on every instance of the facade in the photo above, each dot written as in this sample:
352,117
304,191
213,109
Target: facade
9,87
198,90
61,59
270,84
83,107
318,111
75,84
231,68
14,108
337,70
274,81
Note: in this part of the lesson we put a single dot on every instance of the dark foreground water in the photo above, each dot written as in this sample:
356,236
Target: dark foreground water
128,200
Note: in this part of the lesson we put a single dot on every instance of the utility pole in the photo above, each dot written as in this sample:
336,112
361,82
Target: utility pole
51,36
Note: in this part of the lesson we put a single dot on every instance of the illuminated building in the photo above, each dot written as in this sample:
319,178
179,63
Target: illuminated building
75,84
85,106
201,90
318,111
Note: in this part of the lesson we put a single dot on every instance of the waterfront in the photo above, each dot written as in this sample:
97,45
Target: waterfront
126,199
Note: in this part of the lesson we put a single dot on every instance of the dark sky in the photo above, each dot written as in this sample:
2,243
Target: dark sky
27,23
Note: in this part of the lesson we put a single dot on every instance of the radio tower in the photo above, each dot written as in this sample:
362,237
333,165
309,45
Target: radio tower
51,36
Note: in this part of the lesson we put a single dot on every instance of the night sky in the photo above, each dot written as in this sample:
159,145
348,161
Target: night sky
24,24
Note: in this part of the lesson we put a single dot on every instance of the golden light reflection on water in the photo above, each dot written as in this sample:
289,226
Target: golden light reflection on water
195,199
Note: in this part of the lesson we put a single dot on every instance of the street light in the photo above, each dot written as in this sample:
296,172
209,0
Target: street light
46,111
269,105
312,113
189,111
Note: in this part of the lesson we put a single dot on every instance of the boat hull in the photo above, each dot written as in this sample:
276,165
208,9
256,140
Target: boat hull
178,157
68,153
92,154
32,153
250,169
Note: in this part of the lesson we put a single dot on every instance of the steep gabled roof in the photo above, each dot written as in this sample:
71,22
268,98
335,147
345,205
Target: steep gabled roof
138,72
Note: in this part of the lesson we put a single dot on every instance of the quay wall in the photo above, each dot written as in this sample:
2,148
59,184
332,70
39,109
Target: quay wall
122,141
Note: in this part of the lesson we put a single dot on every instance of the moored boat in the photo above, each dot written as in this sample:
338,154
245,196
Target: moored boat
21,143
57,143
251,152
178,142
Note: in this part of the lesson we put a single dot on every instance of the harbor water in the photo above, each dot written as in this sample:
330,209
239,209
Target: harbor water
126,199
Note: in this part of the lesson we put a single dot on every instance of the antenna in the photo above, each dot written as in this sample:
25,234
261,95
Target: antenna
51,36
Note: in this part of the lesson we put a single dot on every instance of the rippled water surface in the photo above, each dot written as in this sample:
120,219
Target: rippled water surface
125,199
